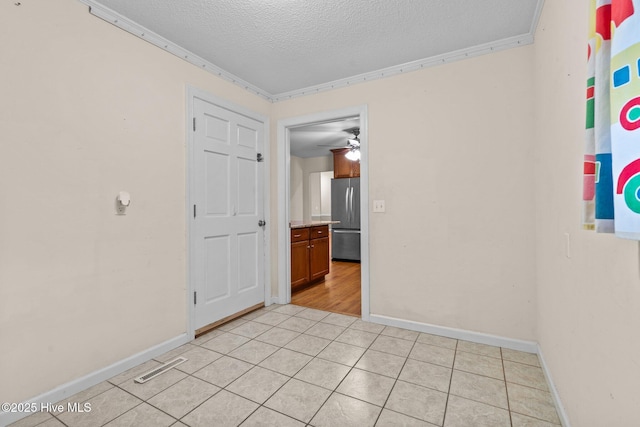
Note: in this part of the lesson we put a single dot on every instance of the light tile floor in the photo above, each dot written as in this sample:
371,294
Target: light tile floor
286,365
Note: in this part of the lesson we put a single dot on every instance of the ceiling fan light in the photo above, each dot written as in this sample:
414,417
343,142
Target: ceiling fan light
353,154
354,142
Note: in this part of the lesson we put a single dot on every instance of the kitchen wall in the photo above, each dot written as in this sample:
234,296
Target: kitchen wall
296,188
87,110
320,197
300,168
588,312
450,151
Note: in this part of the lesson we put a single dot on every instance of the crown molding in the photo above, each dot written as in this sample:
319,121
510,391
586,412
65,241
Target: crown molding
138,30
446,58
536,17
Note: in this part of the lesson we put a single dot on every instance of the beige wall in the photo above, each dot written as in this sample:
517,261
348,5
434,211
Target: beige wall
87,110
589,304
296,187
300,201
450,151
313,164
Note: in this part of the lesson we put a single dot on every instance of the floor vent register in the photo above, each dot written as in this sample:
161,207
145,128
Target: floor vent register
160,370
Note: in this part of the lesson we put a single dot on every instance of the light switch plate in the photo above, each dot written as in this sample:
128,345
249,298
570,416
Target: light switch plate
378,206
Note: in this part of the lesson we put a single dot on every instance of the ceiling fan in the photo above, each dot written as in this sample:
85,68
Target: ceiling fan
350,141
355,141
354,146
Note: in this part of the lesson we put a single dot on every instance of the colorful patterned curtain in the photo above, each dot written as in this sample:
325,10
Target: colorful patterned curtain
612,143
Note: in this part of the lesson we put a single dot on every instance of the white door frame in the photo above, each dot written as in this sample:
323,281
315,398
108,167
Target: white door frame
191,94
284,166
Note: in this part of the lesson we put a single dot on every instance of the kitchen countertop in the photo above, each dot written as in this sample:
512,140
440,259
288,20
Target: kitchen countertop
304,224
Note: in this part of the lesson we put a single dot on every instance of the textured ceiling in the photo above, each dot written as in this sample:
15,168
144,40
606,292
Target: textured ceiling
317,139
289,47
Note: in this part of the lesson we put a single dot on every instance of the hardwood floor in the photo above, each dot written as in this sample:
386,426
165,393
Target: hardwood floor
339,292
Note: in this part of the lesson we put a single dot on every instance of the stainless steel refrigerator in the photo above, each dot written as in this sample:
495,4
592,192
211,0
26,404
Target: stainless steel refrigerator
345,207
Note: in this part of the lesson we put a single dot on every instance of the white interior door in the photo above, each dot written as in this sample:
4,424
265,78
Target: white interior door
227,193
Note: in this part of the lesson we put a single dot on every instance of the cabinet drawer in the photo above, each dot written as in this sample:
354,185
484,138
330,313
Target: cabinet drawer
299,234
318,232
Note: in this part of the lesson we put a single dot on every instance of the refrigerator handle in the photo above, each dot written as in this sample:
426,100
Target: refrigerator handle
346,204
351,207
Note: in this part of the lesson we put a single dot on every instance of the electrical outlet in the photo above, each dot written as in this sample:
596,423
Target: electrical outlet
378,206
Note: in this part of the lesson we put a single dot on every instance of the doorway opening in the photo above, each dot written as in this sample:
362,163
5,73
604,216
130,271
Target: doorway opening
345,289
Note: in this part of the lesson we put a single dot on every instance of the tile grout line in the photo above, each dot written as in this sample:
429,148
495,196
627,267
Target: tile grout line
395,380
525,386
351,368
56,418
222,388
291,377
260,405
453,364
143,401
200,404
491,378
506,390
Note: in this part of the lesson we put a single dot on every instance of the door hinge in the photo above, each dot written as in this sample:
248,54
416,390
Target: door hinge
194,124
259,157
195,298
194,211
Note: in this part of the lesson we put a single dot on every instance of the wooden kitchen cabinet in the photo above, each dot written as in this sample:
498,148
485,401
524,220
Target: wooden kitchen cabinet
299,263
309,254
300,249
343,167
318,258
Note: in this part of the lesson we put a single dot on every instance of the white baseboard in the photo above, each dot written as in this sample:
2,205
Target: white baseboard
277,300
460,334
562,414
72,387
